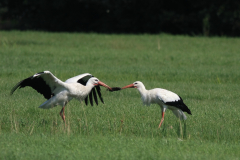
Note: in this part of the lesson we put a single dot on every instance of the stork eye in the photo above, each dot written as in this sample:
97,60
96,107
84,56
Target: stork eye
135,83
96,80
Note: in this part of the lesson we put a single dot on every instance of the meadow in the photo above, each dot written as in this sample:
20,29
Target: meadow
203,71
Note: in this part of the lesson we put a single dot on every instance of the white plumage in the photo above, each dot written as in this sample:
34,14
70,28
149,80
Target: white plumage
164,98
60,93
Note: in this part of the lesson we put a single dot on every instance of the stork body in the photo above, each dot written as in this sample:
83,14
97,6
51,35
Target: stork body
164,98
60,93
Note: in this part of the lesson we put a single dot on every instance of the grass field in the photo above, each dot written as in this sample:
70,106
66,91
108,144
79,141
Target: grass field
203,71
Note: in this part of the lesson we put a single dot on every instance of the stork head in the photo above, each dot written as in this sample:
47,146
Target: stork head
95,82
136,84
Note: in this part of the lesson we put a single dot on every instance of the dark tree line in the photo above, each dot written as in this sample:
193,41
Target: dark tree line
205,17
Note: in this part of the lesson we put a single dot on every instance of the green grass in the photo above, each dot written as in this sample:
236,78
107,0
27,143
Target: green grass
203,71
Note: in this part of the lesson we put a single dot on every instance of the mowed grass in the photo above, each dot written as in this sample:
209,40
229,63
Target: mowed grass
203,71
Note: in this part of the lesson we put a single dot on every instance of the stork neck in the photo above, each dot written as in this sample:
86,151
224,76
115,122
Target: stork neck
142,90
146,99
89,87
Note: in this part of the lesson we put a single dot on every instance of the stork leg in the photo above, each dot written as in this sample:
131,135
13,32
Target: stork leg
62,113
161,119
163,111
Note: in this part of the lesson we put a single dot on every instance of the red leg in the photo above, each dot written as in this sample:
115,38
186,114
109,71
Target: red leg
62,114
161,119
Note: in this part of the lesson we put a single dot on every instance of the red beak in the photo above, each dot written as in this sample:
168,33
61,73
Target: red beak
129,86
104,85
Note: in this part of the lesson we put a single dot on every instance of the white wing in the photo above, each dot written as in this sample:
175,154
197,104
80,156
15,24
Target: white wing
167,96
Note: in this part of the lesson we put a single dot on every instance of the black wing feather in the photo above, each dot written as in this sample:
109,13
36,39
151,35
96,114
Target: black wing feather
36,83
90,98
179,104
86,100
84,80
99,93
95,96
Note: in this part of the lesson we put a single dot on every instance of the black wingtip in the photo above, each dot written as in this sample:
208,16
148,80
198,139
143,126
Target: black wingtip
86,100
114,89
189,112
90,98
95,96
186,109
99,93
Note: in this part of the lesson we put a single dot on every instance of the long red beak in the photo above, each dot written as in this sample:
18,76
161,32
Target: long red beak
104,85
128,86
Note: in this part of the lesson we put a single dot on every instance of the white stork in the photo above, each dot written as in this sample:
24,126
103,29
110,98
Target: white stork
60,93
164,98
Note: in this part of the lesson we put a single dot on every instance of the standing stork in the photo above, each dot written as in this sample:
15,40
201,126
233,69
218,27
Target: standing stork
164,98
60,93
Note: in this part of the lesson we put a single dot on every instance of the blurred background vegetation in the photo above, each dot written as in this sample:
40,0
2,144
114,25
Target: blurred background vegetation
205,17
